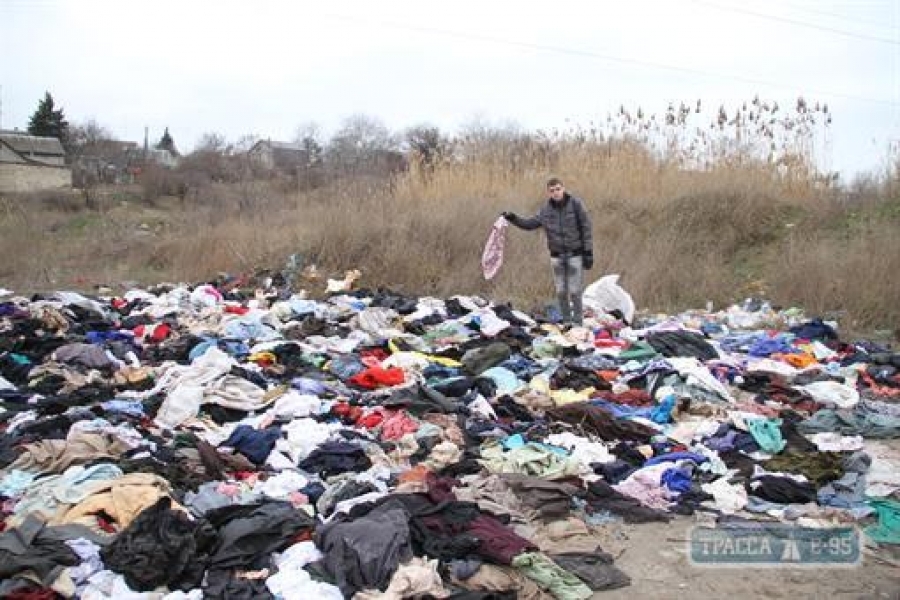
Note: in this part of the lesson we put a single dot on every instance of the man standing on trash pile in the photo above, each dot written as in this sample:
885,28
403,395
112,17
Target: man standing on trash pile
568,228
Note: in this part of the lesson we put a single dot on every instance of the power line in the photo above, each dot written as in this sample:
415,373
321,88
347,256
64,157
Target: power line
834,15
871,38
597,55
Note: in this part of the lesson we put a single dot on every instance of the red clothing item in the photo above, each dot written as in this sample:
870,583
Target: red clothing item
41,594
153,333
378,354
371,420
376,377
630,397
236,310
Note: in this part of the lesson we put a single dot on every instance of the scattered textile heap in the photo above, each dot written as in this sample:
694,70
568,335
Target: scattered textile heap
238,439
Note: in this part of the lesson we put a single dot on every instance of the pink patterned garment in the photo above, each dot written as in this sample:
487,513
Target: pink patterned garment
492,258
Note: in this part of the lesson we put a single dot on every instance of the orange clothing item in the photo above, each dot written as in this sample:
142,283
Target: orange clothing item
798,361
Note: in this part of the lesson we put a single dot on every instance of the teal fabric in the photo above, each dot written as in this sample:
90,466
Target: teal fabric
887,530
767,433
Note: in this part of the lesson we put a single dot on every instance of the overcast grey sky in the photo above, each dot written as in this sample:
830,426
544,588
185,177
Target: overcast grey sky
266,67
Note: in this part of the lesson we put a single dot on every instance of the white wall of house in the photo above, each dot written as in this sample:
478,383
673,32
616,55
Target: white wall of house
30,178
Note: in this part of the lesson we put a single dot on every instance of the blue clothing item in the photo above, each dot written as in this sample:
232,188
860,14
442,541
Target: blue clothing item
767,434
674,456
676,480
741,342
524,368
846,492
552,313
767,346
435,371
815,330
255,444
859,420
623,411
306,385
99,337
313,491
663,412
128,407
232,348
301,307
201,348
16,482
721,443
659,365
514,441
711,328
250,328
506,380
19,359
346,366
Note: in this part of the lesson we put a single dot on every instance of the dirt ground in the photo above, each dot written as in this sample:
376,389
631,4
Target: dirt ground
656,558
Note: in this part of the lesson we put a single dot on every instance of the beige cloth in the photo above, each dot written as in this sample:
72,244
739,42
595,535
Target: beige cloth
493,495
443,455
450,431
418,577
55,456
494,578
121,499
565,535
535,400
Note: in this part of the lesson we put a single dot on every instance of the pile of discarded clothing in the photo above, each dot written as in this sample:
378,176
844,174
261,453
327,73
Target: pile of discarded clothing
239,439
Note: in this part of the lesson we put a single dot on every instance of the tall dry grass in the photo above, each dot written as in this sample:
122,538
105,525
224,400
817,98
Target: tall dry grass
678,236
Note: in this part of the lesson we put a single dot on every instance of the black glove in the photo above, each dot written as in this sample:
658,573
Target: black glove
587,261
507,215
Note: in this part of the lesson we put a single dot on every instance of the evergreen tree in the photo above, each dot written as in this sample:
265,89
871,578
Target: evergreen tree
167,143
48,121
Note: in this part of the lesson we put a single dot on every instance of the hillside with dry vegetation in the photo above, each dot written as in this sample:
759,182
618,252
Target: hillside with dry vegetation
686,210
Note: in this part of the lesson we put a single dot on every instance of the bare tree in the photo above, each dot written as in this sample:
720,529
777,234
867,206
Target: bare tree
426,145
310,173
364,146
356,143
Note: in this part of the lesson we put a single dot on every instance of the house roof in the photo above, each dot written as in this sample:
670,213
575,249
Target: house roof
288,146
32,144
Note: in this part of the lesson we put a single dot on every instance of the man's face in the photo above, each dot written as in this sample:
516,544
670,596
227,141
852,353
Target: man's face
556,191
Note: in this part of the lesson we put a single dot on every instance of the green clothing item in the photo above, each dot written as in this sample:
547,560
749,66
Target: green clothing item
544,348
531,459
478,360
551,577
639,351
767,434
818,467
887,530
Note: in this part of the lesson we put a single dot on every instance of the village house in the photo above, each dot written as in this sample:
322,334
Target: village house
30,163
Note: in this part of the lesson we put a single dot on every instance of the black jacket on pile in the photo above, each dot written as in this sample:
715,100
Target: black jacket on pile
566,224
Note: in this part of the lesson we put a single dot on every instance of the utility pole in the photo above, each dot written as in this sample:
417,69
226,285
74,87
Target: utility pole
1,108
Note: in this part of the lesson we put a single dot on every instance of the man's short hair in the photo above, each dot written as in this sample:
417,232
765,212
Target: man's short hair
554,181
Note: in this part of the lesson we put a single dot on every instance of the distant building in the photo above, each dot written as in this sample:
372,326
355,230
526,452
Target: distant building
106,161
281,156
30,163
